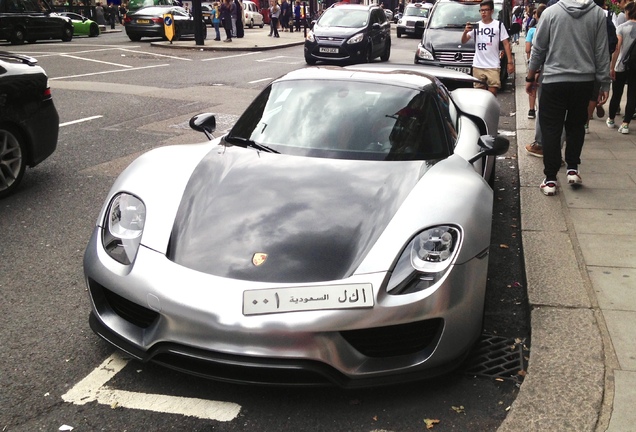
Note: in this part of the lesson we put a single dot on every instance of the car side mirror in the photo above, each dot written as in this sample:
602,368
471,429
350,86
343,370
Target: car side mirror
491,146
376,26
205,122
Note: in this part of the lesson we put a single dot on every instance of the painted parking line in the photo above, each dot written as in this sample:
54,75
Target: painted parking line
154,54
282,60
231,56
107,72
93,388
81,120
96,61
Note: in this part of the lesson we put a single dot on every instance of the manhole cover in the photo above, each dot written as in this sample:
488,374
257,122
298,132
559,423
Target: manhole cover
498,357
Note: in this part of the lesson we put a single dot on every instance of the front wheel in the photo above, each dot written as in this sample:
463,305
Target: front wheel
17,36
94,30
399,34
12,160
177,34
387,51
369,55
310,60
67,34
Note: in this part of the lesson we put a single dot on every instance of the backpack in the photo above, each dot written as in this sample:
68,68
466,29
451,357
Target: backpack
611,35
629,61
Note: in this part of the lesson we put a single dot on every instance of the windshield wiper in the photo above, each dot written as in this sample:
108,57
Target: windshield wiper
455,26
244,142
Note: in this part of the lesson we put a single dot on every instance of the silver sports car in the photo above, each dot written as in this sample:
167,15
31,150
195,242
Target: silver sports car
338,233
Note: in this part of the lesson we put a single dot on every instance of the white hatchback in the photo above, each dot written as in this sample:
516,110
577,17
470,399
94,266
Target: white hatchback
252,15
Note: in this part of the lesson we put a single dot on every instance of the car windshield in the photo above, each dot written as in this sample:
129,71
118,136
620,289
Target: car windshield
342,17
457,14
416,12
344,120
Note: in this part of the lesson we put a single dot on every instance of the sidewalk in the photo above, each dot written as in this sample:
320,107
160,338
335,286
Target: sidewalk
580,254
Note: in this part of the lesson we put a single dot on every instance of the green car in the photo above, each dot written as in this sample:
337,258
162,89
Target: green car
82,25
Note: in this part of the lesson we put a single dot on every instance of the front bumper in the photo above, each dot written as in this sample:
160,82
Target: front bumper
344,53
159,311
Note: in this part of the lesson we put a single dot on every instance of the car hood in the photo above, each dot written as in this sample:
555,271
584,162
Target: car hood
338,32
446,40
316,219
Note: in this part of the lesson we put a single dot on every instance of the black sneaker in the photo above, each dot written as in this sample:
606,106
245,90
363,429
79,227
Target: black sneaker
532,114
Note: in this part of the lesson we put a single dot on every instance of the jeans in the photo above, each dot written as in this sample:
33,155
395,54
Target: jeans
216,29
622,78
563,104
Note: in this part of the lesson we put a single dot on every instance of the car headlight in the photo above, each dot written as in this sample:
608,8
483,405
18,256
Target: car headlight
425,260
400,22
123,226
310,36
356,39
423,53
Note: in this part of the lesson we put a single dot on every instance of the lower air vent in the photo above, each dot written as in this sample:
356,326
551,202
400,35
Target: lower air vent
131,312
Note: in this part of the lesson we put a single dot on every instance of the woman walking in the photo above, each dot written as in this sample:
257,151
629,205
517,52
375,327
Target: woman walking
626,34
274,12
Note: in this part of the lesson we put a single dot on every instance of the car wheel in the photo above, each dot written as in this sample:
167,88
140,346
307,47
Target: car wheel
12,160
399,34
387,51
310,60
205,33
17,36
369,55
94,30
177,34
262,25
67,34
134,37
251,24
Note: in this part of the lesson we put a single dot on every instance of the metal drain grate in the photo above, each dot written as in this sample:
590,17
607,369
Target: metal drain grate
498,357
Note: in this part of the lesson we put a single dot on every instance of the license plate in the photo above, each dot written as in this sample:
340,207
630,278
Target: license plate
409,30
293,299
466,70
329,50
143,21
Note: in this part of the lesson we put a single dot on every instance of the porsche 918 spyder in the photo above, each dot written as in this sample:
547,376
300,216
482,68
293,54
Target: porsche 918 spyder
337,234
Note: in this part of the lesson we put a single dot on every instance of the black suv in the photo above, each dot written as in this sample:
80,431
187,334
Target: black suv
349,33
441,42
32,20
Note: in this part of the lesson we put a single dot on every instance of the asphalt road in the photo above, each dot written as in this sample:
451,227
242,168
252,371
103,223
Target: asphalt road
116,100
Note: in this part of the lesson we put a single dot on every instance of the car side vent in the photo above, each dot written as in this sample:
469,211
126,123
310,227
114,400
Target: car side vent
401,339
131,312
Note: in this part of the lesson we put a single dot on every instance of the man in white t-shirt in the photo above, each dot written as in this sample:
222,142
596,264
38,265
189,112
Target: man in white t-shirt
488,34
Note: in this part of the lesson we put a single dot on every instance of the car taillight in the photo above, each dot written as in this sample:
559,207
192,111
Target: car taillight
47,94
157,20
127,19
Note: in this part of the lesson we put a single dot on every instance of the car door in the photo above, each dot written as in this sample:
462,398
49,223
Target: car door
379,32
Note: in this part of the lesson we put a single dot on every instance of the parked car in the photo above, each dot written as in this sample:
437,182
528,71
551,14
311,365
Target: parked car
29,122
349,33
414,19
252,16
134,5
82,25
371,269
206,13
441,42
32,20
148,22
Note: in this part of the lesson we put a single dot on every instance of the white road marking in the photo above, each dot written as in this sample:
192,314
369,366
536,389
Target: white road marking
50,54
154,54
96,61
278,59
260,80
93,388
81,120
232,56
107,72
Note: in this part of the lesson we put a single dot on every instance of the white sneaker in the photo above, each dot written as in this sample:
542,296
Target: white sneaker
624,129
548,187
610,123
574,178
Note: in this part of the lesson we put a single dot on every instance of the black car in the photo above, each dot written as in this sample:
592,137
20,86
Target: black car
29,122
32,20
349,33
441,42
148,22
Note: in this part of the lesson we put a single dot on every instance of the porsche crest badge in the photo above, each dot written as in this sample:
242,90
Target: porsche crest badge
259,258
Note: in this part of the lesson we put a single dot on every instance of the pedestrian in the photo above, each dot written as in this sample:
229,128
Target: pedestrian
274,12
233,16
240,32
216,20
122,12
529,37
226,18
285,14
626,34
488,34
111,12
100,16
297,15
569,66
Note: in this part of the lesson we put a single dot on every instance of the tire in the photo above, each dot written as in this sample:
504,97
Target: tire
67,34
251,24
387,51
177,34
205,33
12,160
262,25
134,37
310,60
369,56
399,34
17,36
94,30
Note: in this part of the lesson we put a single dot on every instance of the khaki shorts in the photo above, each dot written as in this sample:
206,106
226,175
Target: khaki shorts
488,76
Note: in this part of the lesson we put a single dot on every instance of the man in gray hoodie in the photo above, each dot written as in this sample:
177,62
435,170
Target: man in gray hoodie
570,46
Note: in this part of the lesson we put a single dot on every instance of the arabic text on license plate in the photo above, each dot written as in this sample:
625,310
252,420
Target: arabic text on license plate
278,300
143,21
466,70
329,50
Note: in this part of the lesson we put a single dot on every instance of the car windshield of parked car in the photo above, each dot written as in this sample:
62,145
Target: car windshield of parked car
416,12
344,120
457,14
341,17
